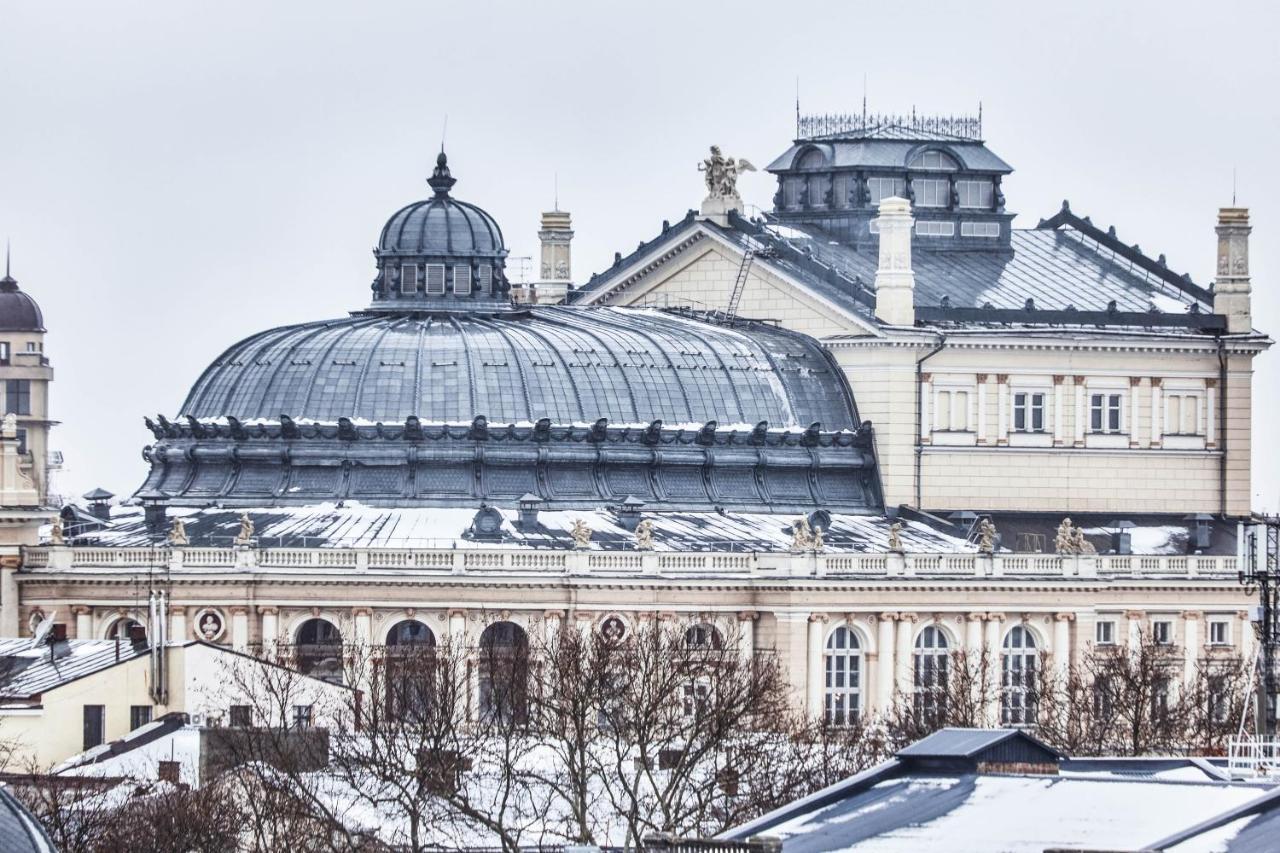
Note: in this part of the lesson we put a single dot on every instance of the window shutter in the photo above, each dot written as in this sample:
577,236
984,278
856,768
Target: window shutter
462,280
484,278
435,279
409,278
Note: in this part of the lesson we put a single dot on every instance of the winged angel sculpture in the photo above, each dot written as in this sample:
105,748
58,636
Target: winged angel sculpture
722,172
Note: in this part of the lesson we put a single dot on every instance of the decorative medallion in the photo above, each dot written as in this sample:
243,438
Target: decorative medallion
613,629
209,625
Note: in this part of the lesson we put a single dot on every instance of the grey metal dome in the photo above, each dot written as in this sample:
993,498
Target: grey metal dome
18,311
571,365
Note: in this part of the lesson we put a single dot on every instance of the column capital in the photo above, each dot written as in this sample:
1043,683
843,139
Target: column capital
361,611
747,615
456,611
1192,614
667,615
177,609
908,617
553,614
1211,383
1064,617
1135,615
268,610
584,616
1156,381
646,616
981,378
1243,615
239,611
1058,379
1078,380
818,617
976,617
81,610
1002,378
995,617
1135,381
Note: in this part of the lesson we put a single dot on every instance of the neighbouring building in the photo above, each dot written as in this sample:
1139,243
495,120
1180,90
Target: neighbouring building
64,696
447,463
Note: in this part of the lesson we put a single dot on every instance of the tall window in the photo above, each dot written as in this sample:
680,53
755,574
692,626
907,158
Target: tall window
702,636
435,279
1182,414
484,278
1028,411
932,192
408,669
408,278
504,673
977,194
462,280
4,352
17,394
930,681
94,725
843,699
1105,411
318,650
880,188
1018,662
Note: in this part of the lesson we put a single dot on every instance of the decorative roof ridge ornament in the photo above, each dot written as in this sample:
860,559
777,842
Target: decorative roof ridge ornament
441,180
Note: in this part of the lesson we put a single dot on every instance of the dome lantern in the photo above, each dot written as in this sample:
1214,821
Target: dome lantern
441,255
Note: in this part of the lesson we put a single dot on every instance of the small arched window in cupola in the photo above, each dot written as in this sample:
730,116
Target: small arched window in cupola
811,160
934,160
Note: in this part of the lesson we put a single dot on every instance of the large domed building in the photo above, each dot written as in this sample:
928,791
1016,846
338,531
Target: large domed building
443,392
447,462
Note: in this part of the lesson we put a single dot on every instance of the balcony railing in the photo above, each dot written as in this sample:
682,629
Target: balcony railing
355,562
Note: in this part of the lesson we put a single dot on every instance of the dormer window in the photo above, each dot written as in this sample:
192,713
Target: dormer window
880,188
409,278
977,194
435,279
462,280
934,160
811,160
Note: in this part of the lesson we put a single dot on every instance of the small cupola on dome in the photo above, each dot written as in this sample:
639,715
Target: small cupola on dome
18,311
441,254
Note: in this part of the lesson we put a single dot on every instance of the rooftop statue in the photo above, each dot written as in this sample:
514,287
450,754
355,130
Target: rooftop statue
986,536
56,536
895,537
721,173
178,533
644,535
801,540
245,536
581,533
1064,541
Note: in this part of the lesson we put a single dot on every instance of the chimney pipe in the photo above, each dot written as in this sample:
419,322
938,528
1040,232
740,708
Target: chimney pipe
895,281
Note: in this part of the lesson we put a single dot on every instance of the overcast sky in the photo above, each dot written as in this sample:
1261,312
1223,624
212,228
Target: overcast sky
175,176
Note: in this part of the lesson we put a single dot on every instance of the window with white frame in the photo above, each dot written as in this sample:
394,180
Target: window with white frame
951,410
929,698
975,193
409,278
435,279
1028,411
1182,413
1018,662
938,160
1104,632
880,188
935,229
462,280
842,700
932,192
1106,412
1219,632
1162,632
979,229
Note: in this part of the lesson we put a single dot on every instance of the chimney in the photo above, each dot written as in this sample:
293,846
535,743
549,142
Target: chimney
1231,288
895,282
138,636
555,272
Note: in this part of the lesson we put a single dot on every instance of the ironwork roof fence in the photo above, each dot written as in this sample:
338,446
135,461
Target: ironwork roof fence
857,125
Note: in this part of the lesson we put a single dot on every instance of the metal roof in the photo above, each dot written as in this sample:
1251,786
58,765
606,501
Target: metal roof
568,364
18,311
32,672
889,152
963,743
20,832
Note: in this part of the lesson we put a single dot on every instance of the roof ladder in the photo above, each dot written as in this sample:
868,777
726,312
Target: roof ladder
740,283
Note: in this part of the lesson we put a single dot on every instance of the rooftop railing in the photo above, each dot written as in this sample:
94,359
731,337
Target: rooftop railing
510,560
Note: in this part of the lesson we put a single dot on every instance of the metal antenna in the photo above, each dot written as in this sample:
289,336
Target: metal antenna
6,242
797,106
556,179
444,131
864,99
1233,204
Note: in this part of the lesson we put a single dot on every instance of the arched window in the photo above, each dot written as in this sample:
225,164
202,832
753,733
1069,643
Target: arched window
1018,663
703,636
842,701
409,669
811,159
931,661
504,673
318,650
121,628
934,161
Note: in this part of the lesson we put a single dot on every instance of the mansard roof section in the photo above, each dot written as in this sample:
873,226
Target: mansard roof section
888,154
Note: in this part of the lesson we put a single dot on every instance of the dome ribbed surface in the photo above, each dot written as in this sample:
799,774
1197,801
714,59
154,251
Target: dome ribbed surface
441,226
566,364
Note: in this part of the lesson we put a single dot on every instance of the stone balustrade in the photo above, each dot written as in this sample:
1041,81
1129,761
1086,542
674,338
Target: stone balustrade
479,560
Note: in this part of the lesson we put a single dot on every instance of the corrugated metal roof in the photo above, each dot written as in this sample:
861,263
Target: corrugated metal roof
35,671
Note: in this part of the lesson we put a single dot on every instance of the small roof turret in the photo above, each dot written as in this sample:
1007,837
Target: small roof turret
18,311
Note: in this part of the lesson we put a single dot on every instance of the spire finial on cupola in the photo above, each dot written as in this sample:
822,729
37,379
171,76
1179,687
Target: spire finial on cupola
8,282
441,181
